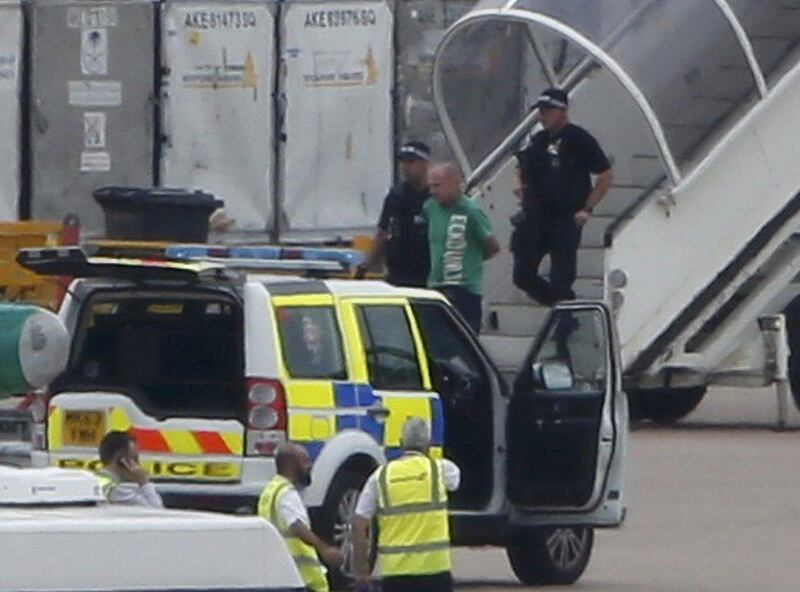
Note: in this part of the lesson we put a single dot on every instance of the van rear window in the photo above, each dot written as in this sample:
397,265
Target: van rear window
173,354
311,343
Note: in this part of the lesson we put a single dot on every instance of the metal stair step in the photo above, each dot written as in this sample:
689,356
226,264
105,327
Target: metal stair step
595,229
618,199
524,317
507,351
521,320
584,287
637,169
590,288
590,263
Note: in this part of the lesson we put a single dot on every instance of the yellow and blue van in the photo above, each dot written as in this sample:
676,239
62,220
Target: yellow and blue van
211,359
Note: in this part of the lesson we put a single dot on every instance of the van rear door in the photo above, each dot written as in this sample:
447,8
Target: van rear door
162,362
176,449
567,422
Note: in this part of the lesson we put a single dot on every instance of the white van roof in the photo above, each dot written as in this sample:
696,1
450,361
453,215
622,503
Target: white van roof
69,546
47,486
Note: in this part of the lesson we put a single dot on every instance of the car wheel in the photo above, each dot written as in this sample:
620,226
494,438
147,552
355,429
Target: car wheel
550,556
666,405
334,524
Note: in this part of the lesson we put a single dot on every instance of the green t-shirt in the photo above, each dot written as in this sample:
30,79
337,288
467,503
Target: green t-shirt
456,235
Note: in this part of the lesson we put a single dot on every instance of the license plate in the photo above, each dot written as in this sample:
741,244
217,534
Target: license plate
84,428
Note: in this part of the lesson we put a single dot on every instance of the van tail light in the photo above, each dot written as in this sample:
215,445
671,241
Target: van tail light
266,416
35,403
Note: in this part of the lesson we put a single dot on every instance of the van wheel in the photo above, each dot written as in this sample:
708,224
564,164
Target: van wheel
334,524
666,405
550,556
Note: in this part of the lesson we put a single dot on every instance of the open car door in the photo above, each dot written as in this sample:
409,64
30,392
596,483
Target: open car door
567,423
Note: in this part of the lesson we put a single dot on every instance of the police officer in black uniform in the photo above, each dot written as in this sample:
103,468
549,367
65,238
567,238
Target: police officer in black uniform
402,234
557,199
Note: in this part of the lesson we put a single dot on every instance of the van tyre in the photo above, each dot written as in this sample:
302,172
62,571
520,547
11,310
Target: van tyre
333,523
550,556
666,405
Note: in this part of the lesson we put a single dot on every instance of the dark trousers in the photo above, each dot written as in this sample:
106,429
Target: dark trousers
467,303
442,582
557,236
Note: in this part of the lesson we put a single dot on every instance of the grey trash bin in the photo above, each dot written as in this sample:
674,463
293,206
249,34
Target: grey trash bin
156,213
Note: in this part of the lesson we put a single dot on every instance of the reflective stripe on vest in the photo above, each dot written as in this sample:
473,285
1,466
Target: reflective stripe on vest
413,530
304,555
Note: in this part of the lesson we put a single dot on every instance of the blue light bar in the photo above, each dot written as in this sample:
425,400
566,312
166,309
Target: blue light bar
347,258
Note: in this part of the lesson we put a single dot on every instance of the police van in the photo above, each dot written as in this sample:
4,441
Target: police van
211,359
58,534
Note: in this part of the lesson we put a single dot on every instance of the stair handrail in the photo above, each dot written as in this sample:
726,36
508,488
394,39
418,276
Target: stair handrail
597,52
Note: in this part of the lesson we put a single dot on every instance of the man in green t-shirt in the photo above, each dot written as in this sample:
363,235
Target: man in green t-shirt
460,238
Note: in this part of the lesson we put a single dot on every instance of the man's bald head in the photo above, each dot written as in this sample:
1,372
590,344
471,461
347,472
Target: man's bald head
444,180
447,169
291,460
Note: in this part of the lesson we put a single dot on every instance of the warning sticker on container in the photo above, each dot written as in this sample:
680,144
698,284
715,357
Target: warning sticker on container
342,69
89,93
94,129
95,162
224,74
94,52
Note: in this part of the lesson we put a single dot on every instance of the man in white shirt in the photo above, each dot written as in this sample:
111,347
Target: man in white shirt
123,479
413,532
367,504
280,503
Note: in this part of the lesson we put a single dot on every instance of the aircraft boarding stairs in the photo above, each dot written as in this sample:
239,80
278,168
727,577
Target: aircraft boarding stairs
698,106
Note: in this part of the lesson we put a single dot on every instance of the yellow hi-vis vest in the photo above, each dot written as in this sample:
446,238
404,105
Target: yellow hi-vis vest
107,483
304,555
413,530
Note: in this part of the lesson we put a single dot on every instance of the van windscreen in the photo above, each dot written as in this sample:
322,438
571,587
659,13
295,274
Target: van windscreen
173,354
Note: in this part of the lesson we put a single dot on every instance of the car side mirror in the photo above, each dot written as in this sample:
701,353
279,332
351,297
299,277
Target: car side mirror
553,375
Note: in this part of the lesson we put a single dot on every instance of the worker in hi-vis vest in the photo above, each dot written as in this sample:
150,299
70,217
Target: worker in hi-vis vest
123,479
409,497
280,503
